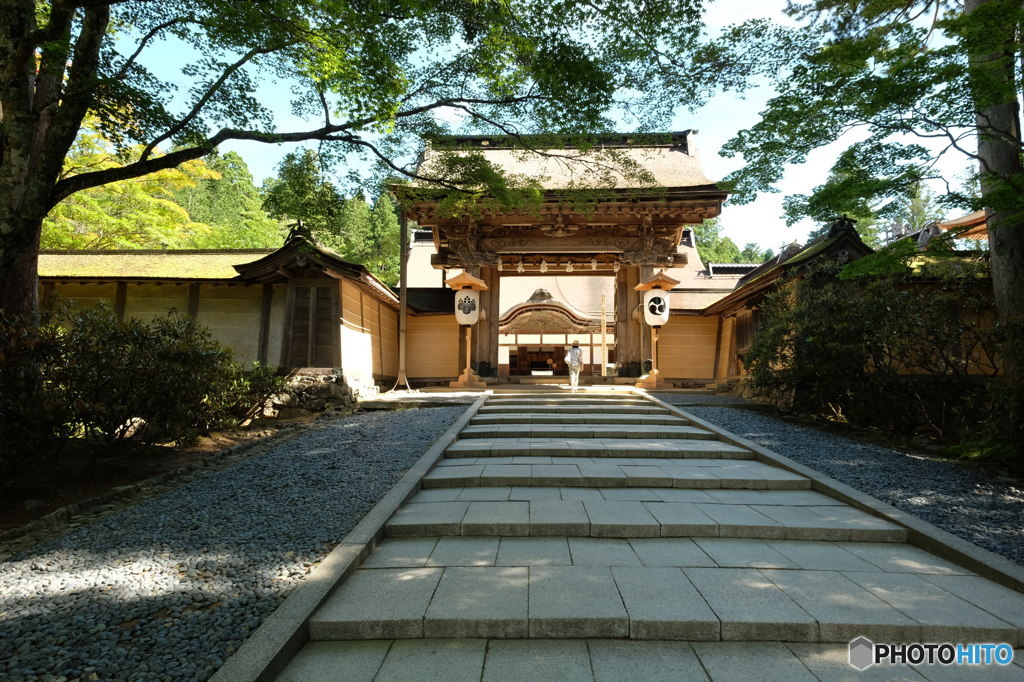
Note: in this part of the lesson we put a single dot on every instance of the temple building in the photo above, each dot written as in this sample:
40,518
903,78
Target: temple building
551,274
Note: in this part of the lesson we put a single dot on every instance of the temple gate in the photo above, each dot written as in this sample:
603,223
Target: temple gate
617,210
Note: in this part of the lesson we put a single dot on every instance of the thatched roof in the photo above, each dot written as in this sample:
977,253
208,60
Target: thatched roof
668,159
147,265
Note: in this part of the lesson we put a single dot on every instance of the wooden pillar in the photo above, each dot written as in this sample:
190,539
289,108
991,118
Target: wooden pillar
193,300
120,299
46,300
718,346
628,334
485,332
403,303
264,340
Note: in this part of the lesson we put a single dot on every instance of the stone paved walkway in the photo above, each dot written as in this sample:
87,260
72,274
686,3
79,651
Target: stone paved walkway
602,536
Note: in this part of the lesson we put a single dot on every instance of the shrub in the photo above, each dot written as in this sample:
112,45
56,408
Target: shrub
35,410
892,350
157,382
245,393
85,372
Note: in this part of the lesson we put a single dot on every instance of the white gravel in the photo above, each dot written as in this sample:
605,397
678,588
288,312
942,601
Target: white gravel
979,508
169,588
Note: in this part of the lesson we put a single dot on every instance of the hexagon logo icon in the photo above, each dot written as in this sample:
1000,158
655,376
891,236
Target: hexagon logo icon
862,653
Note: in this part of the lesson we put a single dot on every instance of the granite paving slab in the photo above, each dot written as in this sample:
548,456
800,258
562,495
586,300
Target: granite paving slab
452,660
943,616
750,606
844,611
534,552
762,661
580,418
566,660
381,603
479,602
615,660
663,604
575,601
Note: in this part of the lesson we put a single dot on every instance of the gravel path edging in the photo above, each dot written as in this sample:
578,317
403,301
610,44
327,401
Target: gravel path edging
921,533
278,639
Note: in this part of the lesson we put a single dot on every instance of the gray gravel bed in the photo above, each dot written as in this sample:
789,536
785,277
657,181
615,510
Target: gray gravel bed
169,588
984,510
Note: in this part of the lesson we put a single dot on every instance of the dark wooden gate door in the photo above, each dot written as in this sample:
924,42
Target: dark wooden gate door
313,326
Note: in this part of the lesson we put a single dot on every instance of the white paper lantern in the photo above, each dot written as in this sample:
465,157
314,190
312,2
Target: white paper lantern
467,306
656,307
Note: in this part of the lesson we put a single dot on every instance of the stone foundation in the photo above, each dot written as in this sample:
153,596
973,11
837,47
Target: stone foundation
310,391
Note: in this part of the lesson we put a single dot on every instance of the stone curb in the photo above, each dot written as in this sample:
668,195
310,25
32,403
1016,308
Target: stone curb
65,514
269,650
920,532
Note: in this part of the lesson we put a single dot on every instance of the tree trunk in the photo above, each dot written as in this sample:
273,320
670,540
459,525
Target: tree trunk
19,272
47,82
999,151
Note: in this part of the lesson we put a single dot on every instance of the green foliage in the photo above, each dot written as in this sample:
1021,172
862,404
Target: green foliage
136,213
382,257
35,410
371,76
898,350
300,192
753,253
907,77
350,227
712,247
161,373
231,206
84,372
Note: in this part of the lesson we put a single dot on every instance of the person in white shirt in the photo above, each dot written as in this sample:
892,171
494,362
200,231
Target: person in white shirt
574,358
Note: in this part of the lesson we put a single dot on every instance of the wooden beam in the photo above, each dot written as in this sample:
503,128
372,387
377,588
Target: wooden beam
718,346
193,301
289,321
120,299
265,307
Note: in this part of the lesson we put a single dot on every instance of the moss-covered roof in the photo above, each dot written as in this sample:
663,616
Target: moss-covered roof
140,264
792,257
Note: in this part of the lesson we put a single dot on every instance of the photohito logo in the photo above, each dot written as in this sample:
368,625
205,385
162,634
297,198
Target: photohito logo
864,653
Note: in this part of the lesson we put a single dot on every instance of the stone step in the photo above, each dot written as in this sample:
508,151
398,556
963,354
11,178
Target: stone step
649,408
611,472
580,418
590,659
631,518
596,447
495,493
548,399
664,603
586,431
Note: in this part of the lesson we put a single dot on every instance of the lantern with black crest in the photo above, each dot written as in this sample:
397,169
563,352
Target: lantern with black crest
656,313
467,313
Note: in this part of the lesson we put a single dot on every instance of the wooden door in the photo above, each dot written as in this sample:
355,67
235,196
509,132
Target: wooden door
313,323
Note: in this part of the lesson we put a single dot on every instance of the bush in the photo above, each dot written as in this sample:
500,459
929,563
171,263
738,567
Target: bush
87,373
901,352
35,409
163,381
244,395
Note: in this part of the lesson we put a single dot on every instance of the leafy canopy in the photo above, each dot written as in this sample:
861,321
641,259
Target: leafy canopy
361,234
375,76
896,74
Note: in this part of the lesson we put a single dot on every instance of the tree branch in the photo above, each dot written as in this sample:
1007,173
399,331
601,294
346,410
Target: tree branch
142,44
335,132
210,92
